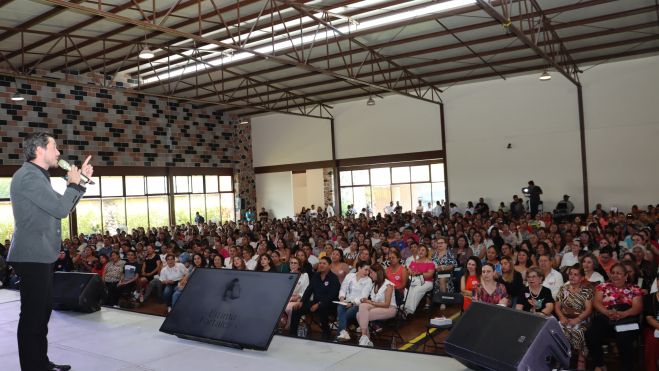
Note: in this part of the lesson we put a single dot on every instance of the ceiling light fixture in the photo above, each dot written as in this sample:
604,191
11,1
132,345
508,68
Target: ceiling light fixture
370,101
243,122
146,53
545,76
17,97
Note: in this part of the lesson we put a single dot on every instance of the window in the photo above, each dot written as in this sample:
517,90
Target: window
377,187
156,185
135,186
181,184
111,186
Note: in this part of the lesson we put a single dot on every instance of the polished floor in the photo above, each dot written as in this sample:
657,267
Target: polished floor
119,340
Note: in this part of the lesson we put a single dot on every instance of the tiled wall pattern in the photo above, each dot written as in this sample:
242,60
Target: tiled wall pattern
119,128
328,185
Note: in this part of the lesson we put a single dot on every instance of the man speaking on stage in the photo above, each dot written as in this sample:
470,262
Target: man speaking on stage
38,213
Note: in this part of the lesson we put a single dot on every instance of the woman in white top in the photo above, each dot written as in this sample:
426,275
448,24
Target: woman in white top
300,287
382,304
571,257
589,264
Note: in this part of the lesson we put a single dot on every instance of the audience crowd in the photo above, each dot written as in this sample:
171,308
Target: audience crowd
596,273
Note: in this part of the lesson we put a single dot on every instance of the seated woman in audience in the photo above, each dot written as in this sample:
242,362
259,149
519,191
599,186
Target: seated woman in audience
364,256
380,306
492,258
98,266
218,262
445,263
351,252
265,264
651,314
571,257
305,266
573,308
198,261
511,279
422,272
634,276
522,263
616,302
354,288
150,269
536,298
488,290
284,251
591,267
478,245
300,287
507,250
228,262
277,264
471,278
397,274
112,274
338,266
238,264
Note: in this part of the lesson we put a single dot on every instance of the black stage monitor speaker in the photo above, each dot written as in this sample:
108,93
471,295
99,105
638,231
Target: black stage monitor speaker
81,292
492,337
239,309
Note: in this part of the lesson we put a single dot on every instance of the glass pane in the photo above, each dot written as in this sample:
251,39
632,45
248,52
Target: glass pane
213,207
182,209
197,183
226,185
114,214
138,213
135,186
346,199
112,186
227,207
198,203
437,171
93,189
400,174
401,193
421,191
65,229
345,178
381,197
381,176
158,211
360,177
362,197
89,216
211,183
420,173
6,222
181,184
156,185
438,192
59,184
4,187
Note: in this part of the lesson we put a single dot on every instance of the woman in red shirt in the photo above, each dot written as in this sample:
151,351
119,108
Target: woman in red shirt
472,278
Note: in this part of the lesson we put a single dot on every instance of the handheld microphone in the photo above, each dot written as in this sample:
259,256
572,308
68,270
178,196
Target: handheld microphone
66,166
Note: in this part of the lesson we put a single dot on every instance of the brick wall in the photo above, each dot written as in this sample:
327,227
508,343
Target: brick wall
121,128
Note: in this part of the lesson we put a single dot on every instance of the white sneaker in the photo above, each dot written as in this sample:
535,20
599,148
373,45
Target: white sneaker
343,336
442,307
365,341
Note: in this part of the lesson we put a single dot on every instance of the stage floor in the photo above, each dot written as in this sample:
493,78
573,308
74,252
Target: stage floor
113,339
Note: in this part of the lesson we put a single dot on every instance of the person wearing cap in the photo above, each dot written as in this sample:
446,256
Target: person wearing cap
564,206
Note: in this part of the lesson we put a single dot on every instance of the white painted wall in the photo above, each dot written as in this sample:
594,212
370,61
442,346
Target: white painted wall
539,119
300,191
280,139
621,104
274,191
396,124
315,188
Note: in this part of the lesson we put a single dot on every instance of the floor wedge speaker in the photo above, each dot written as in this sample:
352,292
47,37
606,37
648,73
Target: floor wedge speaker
80,292
492,337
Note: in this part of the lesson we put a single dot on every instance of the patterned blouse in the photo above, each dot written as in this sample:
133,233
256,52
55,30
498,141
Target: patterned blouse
479,293
612,295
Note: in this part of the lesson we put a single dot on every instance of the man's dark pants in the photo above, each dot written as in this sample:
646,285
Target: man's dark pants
36,286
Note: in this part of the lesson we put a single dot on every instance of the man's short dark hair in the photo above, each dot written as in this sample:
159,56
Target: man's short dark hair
327,259
32,141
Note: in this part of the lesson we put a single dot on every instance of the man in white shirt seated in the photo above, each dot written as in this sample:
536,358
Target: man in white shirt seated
355,287
170,274
553,279
313,213
389,209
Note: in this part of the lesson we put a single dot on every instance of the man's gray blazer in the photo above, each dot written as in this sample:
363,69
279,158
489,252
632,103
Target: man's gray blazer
38,213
